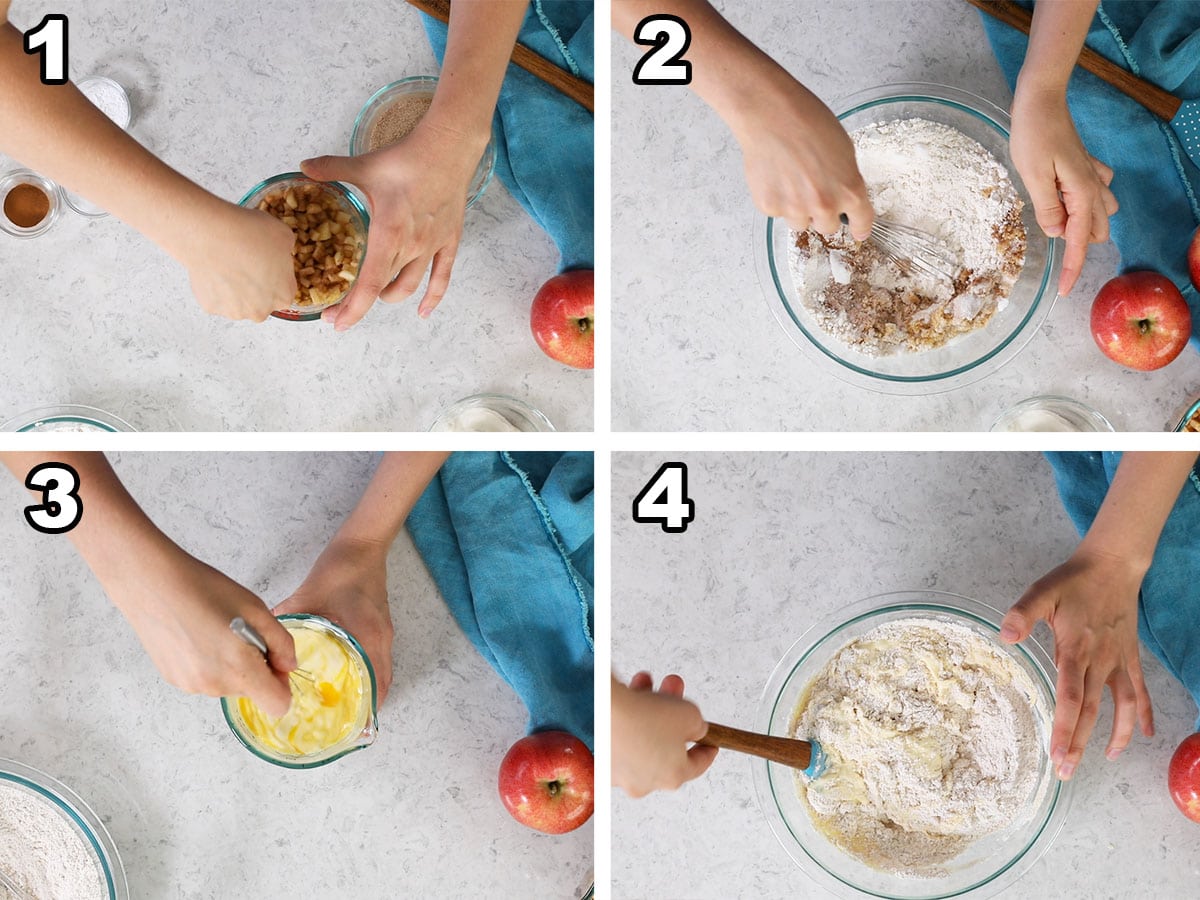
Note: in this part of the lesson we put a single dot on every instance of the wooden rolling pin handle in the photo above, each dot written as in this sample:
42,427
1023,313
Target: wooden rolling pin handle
1162,103
786,751
559,78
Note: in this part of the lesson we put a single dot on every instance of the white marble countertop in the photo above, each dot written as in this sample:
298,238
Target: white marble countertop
230,93
193,814
695,346
781,540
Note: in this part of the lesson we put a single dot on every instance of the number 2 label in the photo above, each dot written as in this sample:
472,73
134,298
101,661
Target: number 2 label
49,39
61,507
670,37
664,499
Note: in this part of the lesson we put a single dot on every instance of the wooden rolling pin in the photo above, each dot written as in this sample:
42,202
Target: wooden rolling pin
1162,103
787,751
560,79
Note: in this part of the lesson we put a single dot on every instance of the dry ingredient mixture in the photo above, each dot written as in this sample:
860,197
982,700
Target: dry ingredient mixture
931,739
398,119
26,205
42,853
932,177
328,247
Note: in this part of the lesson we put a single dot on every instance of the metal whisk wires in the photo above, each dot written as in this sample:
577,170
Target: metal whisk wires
246,632
911,249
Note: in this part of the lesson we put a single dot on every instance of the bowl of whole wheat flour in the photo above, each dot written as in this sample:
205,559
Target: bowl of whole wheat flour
938,783
936,159
52,845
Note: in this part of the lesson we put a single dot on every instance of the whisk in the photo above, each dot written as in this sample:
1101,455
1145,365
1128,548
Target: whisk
246,632
911,248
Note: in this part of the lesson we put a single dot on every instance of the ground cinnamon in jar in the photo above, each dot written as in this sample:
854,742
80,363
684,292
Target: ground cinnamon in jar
26,205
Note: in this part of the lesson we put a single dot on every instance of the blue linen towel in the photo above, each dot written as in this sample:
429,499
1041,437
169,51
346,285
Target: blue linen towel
1169,603
510,541
544,140
1156,184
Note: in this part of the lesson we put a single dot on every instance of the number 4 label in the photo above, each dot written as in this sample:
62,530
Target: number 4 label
670,37
664,500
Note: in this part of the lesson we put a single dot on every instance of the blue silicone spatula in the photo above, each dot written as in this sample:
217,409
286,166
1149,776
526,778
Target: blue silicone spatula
1182,115
803,755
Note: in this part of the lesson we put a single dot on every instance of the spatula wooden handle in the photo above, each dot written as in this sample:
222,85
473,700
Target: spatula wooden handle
562,80
789,752
1162,103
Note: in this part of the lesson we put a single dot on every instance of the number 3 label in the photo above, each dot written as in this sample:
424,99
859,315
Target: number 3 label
61,507
670,37
664,499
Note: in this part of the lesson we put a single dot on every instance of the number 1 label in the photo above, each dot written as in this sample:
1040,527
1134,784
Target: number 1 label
49,39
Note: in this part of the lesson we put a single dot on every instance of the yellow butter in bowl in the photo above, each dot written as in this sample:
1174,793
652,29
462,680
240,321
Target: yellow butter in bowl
332,712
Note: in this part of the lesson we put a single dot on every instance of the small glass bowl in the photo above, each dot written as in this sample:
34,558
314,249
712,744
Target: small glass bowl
987,866
1051,413
350,203
1188,413
78,816
66,418
17,177
417,84
964,359
366,726
490,412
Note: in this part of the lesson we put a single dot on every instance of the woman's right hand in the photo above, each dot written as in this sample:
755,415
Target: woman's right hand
181,609
240,266
651,731
799,160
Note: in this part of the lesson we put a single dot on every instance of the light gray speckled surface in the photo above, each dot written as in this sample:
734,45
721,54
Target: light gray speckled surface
780,540
229,94
695,346
196,816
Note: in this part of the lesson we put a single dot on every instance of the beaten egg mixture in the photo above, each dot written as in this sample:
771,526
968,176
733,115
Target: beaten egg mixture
322,714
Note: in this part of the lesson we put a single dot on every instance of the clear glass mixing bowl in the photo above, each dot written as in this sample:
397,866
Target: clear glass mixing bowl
991,863
966,358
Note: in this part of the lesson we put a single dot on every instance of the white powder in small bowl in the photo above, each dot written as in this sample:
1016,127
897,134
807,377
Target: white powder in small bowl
42,852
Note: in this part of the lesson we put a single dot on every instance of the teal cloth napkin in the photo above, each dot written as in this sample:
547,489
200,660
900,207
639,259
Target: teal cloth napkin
510,541
1157,186
544,140
1169,603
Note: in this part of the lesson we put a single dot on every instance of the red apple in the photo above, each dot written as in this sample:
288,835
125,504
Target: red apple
1183,777
1140,320
1194,259
561,318
546,782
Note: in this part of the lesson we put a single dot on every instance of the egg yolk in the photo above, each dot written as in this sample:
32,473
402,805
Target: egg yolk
325,709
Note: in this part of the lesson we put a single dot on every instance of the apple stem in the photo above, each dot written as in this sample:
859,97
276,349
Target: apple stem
1144,326
584,325
554,787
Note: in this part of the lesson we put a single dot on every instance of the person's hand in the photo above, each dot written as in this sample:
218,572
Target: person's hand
418,197
181,612
1052,161
650,736
799,161
348,586
240,265
1091,603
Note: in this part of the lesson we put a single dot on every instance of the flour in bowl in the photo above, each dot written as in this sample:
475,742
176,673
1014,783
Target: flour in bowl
932,177
931,740
42,853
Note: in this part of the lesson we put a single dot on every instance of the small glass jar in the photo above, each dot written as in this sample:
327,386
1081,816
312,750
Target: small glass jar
350,203
66,418
1051,413
14,179
113,100
373,109
365,727
493,413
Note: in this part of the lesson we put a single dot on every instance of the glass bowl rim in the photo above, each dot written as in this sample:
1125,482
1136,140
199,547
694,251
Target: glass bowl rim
78,812
78,413
857,375
372,723
489,152
1193,409
345,191
1061,400
52,189
535,414
906,601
